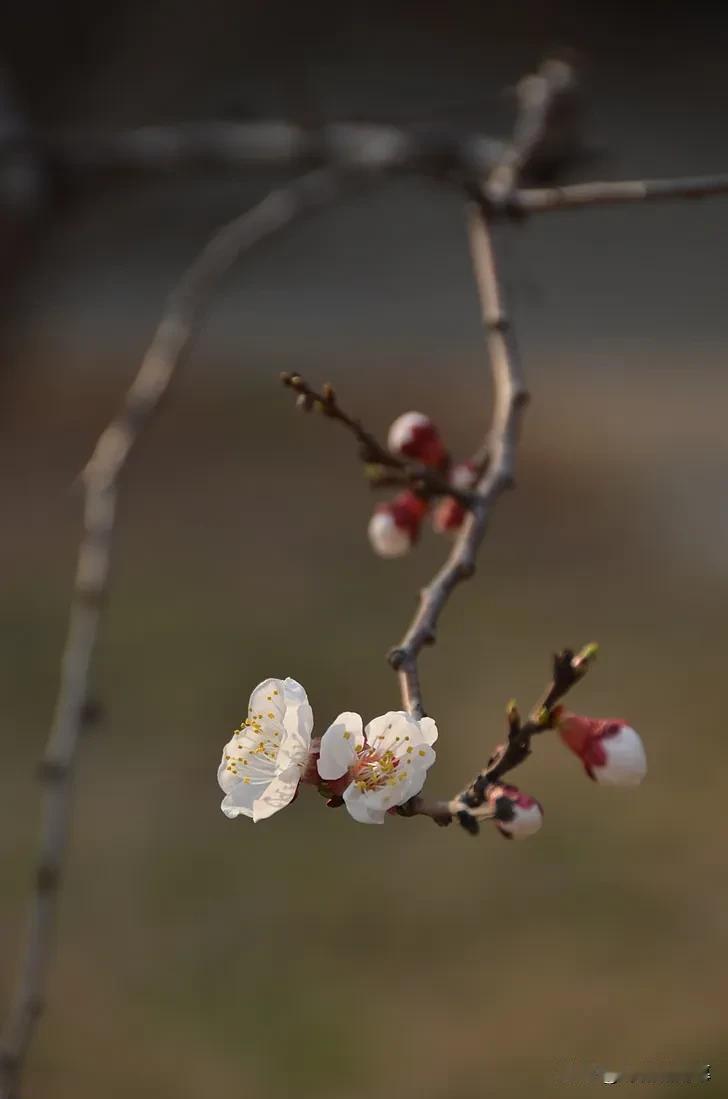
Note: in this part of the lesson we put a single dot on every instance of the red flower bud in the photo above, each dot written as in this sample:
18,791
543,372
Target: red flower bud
413,435
610,750
449,513
395,526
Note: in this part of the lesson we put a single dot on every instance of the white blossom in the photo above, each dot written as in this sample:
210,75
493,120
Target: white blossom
379,766
262,764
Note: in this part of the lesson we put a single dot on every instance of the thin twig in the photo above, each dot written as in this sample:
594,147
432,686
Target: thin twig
327,402
382,468
100,480
576,196
568,670
510,398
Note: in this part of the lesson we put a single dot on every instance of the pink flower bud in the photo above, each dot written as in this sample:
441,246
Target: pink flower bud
527,814
449,513
395,526
413,435
610,750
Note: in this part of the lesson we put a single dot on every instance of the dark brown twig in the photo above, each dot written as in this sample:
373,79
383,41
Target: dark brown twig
568,670
383,468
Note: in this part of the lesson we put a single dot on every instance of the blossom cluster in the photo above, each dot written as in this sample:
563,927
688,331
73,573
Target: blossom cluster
374,768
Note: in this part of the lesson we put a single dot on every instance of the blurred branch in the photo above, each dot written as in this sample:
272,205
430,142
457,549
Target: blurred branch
546,135
100,482
580,195
546,139
361,146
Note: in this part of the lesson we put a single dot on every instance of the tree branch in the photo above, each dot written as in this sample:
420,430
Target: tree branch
100,481
546,135
360,146
568,670
382,467
576,196
510,398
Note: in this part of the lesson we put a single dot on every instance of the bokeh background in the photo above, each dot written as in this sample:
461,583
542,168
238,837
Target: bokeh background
311,956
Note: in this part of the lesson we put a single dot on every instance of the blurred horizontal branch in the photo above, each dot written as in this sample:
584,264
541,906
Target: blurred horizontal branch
578,195
357,146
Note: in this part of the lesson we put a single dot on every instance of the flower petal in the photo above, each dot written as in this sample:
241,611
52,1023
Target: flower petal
240,799
233,769
278,794
339,744
428,729
268,700
359,807
298,724
391,730
231,810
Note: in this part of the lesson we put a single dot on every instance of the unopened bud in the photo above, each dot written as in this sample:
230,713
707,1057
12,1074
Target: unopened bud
449,514
395,526
611,751
413,435
517,815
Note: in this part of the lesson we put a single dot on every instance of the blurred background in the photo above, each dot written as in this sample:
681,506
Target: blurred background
309,955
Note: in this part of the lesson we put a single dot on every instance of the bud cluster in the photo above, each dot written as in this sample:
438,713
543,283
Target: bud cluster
395,525
610,751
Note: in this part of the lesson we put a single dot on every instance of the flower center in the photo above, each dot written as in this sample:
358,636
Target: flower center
373,770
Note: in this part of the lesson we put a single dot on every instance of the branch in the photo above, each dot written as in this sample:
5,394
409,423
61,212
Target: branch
579,195
100,481
568,670
510,398
382,467
233,145
546,135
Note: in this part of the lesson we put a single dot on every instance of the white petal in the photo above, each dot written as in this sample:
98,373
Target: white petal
268,698
428,729
298,723
626,760
415,781
392,730
294,693
358,805
233,770
231,810
240,799
338,746
278,794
